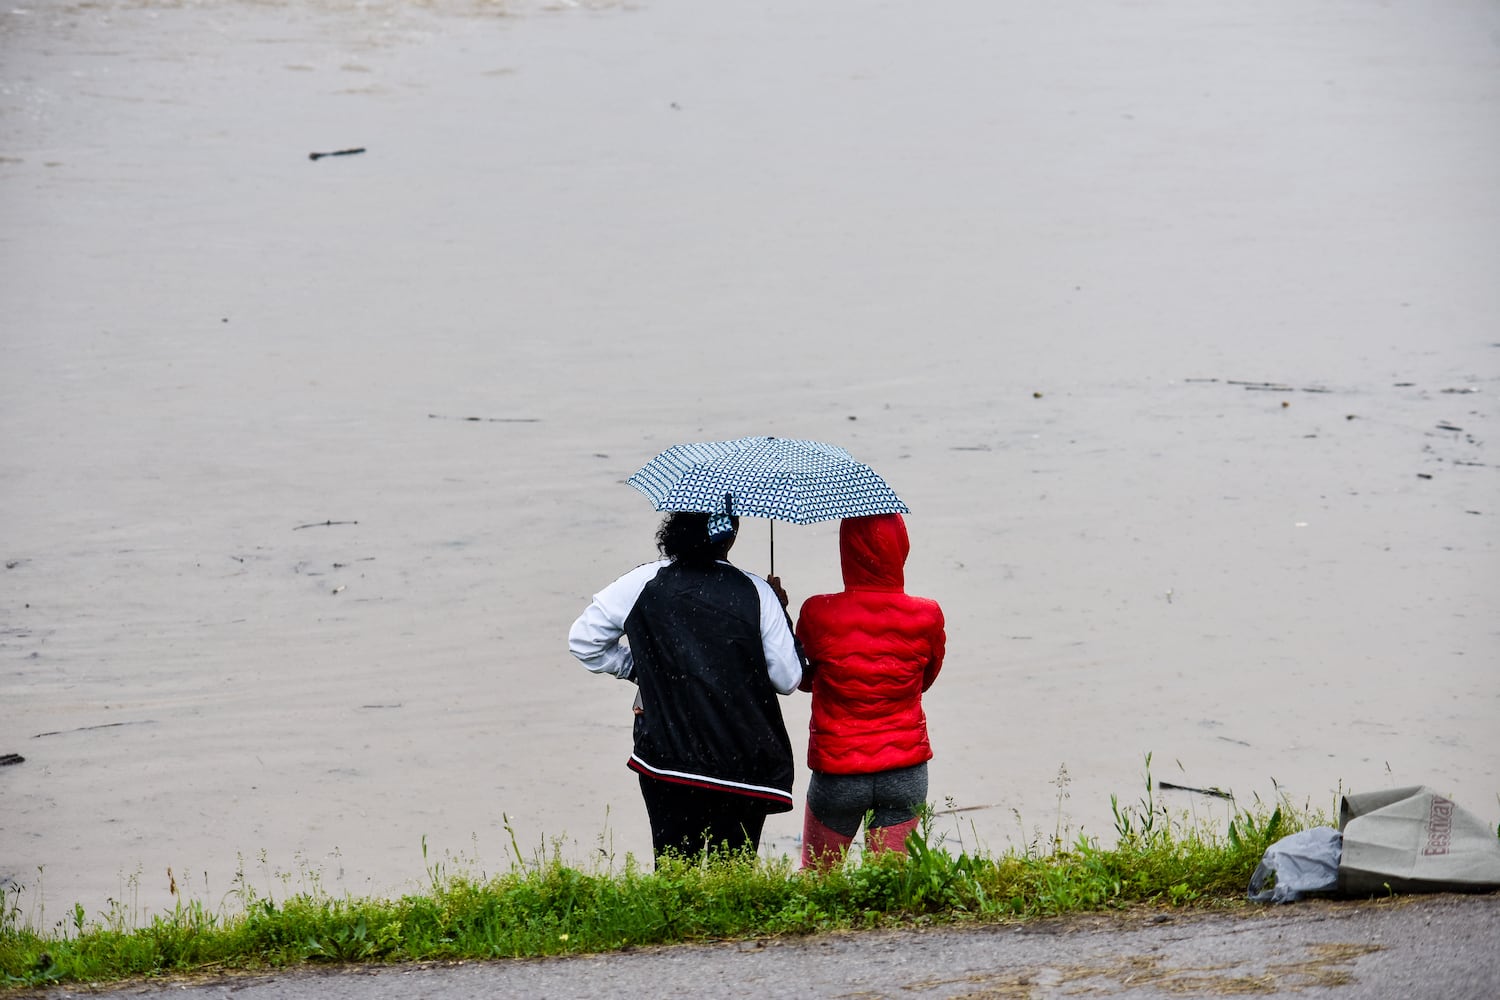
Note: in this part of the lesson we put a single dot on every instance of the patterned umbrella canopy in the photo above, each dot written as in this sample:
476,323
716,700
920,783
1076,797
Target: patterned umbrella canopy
779,478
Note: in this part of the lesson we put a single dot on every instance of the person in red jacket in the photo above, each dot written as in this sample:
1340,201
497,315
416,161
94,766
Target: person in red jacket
872,650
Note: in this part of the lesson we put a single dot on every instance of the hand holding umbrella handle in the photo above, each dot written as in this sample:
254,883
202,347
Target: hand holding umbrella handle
775,582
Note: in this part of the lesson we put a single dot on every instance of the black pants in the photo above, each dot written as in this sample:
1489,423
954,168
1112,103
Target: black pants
685,819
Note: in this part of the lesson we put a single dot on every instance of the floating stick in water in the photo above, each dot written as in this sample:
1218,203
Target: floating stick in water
337,152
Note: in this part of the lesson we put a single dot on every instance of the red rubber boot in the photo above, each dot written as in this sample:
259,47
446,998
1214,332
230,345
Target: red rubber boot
822,846
890,838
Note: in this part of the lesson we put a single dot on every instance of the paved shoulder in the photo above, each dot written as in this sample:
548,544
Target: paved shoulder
1431,946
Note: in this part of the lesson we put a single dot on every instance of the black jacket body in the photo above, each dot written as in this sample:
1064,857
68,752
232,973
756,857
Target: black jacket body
710,716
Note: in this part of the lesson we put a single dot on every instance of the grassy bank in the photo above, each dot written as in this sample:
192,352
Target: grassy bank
548,907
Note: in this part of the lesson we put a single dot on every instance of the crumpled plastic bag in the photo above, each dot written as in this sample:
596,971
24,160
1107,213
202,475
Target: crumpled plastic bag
1299,865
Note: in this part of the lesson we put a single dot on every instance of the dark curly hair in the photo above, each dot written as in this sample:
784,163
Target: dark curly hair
683,538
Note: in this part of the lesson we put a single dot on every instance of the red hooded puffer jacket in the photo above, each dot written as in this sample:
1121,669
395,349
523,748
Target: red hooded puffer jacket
873,650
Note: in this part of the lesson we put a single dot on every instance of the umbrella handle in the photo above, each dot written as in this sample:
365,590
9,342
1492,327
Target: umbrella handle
773,546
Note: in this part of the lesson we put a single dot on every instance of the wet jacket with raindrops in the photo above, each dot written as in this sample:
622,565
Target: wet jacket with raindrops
710,649
872,650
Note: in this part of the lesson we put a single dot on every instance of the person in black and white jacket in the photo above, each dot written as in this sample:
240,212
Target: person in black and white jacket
710,647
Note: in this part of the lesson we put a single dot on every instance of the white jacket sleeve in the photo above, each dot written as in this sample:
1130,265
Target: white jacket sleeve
595,636
783,662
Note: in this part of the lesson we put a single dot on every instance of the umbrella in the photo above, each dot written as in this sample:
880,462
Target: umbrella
778,478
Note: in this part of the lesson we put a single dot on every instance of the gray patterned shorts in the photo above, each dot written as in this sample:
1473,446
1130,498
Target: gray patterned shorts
840,801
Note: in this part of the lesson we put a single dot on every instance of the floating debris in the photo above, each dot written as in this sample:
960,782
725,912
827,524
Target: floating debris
1217,793
337,152
105,725
487,420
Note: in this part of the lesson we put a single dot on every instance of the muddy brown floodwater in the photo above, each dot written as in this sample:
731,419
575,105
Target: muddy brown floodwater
1175,325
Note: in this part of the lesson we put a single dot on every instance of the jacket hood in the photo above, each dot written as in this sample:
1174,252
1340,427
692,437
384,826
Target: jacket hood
873,551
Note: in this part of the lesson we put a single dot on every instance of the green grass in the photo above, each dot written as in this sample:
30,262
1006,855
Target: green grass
548,907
